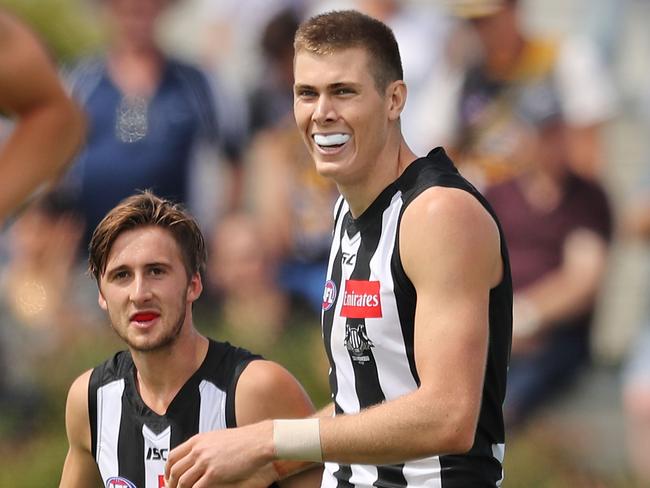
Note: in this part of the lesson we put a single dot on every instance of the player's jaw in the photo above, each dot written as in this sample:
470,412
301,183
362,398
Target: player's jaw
152,329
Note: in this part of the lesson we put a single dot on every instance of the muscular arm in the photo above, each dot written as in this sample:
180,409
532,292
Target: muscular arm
268,391
49,127
79,470
265,390
450,251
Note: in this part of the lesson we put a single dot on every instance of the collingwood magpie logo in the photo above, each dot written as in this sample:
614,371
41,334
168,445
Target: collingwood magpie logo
357,342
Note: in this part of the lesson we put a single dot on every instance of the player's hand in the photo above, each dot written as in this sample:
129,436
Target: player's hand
230,457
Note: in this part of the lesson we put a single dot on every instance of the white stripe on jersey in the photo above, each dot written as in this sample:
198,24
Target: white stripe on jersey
394,373
109,416
329,481
363,474
346,396
212,414
499,452
156,450
423,473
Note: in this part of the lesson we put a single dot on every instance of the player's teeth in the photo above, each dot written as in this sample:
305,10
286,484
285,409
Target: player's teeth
331,139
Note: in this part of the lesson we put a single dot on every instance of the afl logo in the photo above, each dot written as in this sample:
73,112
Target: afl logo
118,482
329,295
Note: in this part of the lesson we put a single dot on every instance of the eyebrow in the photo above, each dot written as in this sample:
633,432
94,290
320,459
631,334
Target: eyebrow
331,86
124,267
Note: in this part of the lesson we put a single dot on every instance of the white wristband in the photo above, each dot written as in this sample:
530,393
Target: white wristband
297,439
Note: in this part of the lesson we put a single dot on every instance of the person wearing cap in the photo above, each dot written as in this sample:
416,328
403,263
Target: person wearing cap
513,69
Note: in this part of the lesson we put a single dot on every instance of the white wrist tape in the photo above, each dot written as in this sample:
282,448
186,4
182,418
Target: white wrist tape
297,439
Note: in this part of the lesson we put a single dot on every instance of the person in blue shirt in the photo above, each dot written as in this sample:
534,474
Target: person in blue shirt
150,115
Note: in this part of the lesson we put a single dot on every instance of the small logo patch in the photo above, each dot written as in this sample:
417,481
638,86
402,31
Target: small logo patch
329,295
357,342
119,482
361,300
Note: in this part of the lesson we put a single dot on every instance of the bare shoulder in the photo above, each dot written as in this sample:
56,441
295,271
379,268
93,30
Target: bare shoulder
76,417
443,206
451,226
267,390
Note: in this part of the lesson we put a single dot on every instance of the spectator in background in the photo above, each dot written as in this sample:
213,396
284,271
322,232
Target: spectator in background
514,73
558,227
271,98
287,196
253,309
44,305
49,127
422,31
150,116
293,204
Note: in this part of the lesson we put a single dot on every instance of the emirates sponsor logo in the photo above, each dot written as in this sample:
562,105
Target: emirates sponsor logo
361,300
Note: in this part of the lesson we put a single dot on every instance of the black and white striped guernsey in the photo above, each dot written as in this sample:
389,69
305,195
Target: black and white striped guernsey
130,442
368,330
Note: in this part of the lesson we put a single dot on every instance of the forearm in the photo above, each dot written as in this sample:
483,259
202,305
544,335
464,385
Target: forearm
571,289
561,295
326,411
417,425
411,427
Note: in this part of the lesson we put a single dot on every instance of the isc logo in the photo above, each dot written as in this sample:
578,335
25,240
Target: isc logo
155,454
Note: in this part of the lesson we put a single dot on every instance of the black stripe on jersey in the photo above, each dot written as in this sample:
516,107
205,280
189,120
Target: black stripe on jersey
183,413
130,445
343,475
93,385
365,374
231,417
404,292
328,317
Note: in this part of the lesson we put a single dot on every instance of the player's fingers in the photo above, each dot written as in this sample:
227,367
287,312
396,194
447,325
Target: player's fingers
176,472
176,454
190,477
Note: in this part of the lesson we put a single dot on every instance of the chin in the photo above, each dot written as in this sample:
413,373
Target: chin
328,169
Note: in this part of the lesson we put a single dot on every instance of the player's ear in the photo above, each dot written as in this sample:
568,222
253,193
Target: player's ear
195,287
396,99
101,300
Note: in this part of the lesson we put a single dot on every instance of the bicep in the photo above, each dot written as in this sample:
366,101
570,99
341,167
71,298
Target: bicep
79,469
268,391
451,252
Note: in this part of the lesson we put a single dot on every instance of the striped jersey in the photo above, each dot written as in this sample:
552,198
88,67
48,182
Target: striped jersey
368,329
130,442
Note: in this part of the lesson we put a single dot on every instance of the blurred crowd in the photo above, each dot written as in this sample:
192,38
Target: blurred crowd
193,99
